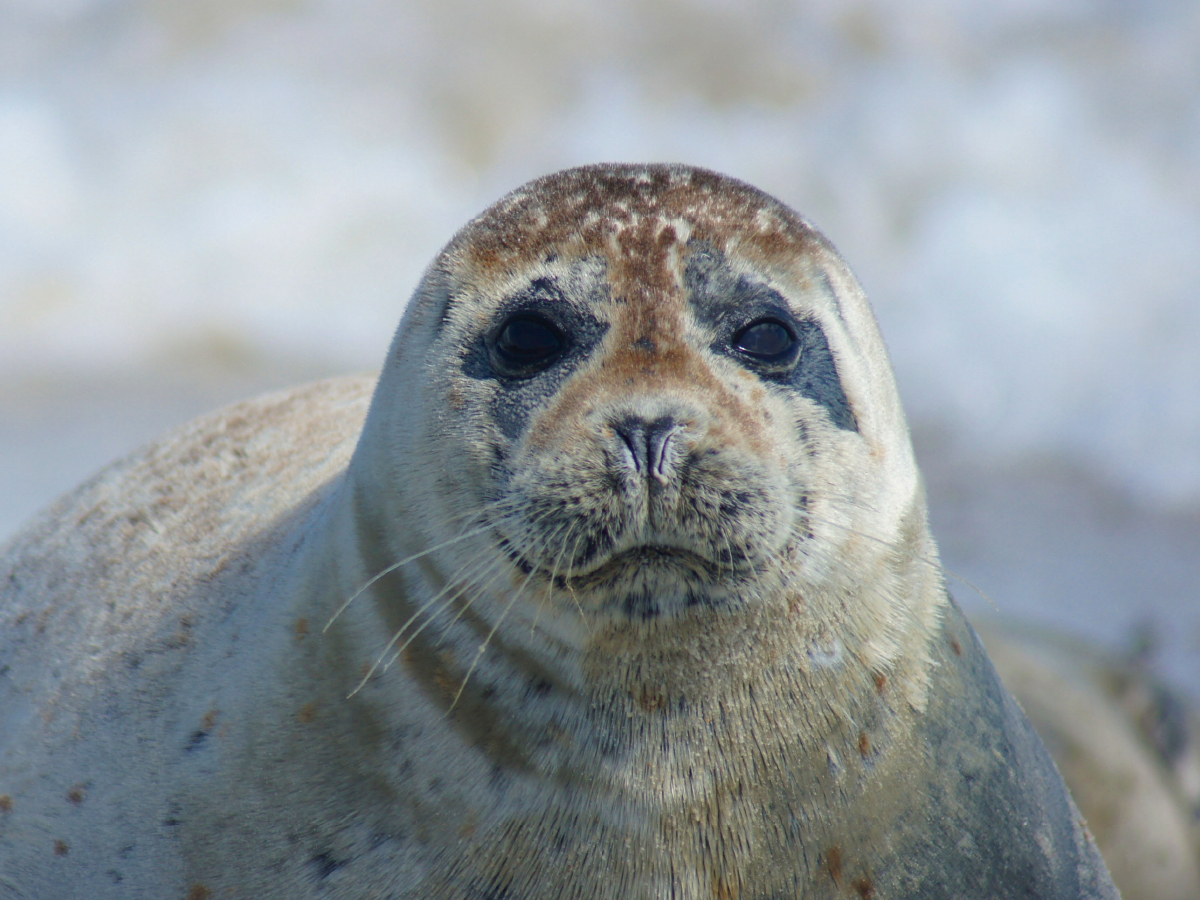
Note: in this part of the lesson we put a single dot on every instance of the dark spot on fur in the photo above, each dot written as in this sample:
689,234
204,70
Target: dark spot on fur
198,892
325,865
500,778
880,682
833,864
201,734
6,803
61,848
864,745
864,888
77,794
956,646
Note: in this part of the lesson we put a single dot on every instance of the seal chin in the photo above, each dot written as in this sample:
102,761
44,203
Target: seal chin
652,581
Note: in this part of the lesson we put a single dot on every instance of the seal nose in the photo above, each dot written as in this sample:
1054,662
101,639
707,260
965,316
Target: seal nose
648,445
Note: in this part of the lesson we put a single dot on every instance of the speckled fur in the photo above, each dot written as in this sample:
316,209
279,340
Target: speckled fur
743,679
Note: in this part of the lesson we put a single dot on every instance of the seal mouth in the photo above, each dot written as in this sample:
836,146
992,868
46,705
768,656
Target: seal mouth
643,560
653,557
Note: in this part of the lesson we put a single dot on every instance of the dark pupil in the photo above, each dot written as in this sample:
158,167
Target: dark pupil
765,339
527,340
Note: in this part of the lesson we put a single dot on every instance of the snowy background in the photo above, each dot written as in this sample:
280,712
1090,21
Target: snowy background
201,200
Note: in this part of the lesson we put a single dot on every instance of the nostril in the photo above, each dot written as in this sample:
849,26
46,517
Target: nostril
648,445
633,435
658,446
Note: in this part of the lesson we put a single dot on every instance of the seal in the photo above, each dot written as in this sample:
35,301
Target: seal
625,590
1127,745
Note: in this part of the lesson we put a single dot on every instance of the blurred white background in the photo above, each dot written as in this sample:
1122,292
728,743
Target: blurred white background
200,200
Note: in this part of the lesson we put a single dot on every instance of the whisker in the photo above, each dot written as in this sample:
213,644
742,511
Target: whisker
394,566
571,589
483,646
935,564
450,585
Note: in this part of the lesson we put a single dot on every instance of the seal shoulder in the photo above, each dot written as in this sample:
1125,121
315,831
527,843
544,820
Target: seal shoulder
120,607
99,567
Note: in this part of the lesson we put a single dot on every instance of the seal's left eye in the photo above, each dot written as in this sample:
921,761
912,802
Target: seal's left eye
528,342
766,340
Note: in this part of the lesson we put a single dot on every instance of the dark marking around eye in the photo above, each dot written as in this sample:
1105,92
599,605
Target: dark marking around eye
735,305
518,351
816,377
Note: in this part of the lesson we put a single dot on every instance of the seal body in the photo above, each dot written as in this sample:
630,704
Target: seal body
1127,746
626,591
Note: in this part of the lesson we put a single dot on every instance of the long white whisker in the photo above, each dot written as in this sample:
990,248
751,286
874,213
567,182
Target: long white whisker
450,585
935,564
483,646
394,566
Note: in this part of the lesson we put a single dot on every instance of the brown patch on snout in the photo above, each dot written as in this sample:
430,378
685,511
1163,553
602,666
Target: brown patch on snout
646,352
864,745
650,699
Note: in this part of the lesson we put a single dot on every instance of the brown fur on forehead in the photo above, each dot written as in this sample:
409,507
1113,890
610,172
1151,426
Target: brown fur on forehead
632,216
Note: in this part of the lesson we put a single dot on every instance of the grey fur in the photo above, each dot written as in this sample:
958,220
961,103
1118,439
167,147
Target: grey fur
731,672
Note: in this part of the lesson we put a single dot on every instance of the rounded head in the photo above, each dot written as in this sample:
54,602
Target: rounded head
647,392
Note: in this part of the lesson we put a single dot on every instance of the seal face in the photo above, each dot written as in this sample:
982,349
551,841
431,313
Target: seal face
647,370
635,515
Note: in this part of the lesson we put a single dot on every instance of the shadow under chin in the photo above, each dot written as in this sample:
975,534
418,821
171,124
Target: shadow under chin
652,583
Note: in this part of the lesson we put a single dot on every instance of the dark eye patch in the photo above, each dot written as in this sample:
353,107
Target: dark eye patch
537,339
752,323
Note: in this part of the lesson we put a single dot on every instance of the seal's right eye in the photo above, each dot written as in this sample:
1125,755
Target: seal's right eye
526,344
